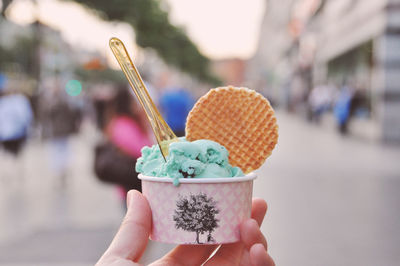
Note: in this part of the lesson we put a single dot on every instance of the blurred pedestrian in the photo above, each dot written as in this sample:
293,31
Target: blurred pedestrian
59,121
15,118
126,134
342,108
175,105
127,129
360,103
319,101
298,94
15,122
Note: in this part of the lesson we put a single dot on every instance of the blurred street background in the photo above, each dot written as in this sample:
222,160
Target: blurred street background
330,68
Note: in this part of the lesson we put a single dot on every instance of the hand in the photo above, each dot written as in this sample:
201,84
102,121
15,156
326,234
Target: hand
132,237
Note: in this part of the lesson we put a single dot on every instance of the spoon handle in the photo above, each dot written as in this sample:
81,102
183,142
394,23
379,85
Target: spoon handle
162,131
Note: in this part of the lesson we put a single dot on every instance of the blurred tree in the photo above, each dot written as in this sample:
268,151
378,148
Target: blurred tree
150,20
6,3
100,75
20,55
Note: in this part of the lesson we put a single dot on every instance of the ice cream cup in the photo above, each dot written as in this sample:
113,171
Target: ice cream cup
198,211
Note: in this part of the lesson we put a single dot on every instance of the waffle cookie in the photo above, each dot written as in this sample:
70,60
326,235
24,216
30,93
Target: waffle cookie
240,119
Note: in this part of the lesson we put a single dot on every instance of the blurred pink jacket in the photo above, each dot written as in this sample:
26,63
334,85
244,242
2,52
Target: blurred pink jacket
126,134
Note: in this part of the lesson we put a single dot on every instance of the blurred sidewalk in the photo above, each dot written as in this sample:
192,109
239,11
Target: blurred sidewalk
43,222
363,129
332,201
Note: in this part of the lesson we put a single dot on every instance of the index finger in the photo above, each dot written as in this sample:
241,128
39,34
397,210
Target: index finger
258,210
230,254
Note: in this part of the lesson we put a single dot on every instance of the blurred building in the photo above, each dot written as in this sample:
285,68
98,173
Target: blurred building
11,31
39,53
269,68
304,43
231,70
162,76
57,58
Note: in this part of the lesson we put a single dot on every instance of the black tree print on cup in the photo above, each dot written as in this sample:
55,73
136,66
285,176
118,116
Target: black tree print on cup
196,213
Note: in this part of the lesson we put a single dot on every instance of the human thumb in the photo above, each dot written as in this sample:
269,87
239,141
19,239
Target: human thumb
132,237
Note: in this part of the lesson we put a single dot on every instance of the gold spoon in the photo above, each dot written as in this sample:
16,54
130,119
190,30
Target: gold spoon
162,131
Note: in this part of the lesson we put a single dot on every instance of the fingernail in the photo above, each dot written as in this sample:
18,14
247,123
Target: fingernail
253,223
128,198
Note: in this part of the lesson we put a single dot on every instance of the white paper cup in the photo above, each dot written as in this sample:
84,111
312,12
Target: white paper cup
198,211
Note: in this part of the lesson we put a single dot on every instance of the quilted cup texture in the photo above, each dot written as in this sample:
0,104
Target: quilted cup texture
198,213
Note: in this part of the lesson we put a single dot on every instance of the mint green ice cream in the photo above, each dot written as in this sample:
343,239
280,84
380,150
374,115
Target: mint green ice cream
196,159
